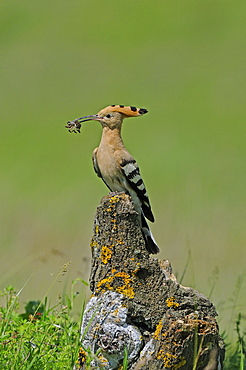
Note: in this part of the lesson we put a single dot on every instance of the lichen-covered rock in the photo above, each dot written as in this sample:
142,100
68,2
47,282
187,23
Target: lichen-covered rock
105,328
138,305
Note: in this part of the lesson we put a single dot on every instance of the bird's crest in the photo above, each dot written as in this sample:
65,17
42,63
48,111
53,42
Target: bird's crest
126,110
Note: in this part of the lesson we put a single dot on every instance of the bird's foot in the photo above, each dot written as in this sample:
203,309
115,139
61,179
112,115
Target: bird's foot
113,193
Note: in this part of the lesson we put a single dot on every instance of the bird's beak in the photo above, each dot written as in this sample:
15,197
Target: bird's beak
75,125
93,117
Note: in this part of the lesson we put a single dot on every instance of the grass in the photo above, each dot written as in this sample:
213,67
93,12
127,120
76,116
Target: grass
182,61
49,337
41,337
236,358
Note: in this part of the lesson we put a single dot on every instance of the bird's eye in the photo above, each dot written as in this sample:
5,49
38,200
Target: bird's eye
108,115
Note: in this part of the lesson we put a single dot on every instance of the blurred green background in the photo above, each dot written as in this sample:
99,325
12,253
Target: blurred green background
182,60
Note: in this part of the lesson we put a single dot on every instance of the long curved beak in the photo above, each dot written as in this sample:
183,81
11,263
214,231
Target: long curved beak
93,117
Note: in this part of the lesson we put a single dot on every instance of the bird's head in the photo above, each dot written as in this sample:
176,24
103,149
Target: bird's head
111,117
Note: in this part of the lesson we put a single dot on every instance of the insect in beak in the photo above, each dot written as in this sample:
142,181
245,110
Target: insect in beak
75,125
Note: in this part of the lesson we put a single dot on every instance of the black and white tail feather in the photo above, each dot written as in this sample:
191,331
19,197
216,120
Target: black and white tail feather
132,174
150,242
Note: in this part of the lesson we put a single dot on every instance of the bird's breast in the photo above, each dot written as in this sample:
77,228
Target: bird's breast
110,169
113,175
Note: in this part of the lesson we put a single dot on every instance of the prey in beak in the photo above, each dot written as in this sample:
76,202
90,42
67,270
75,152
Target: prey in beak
75,125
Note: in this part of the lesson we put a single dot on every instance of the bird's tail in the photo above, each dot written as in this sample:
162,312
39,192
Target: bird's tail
150,242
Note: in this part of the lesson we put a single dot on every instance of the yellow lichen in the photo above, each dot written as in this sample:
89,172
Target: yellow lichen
157,333
166,357
126,289
102,359
96,229
106,282
135,271
171,303
179,365
116,312
109,284
93,244
81,356
106,254
114,199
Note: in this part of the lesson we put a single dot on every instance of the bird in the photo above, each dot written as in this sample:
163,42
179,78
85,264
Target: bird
116,166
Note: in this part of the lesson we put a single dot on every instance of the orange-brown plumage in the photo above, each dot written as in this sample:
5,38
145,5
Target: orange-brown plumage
115,165
128,111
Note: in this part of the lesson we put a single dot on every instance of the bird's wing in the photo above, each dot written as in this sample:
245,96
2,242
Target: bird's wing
95,164
96,167
131,172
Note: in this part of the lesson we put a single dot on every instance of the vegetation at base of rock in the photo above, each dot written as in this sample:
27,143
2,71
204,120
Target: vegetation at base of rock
48,338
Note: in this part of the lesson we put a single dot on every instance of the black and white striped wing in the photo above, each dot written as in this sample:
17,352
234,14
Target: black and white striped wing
132,174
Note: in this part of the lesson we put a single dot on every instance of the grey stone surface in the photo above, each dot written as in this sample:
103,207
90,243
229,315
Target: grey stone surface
104,327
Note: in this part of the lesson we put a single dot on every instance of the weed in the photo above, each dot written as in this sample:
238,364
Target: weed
42,337
236,352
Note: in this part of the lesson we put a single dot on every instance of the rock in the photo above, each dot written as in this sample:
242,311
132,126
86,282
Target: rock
138,310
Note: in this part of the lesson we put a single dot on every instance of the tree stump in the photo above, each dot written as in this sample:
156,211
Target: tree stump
138,313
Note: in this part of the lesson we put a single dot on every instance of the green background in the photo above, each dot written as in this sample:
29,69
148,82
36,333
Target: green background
182,60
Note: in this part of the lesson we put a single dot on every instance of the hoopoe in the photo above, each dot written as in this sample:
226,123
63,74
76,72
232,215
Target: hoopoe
115,165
